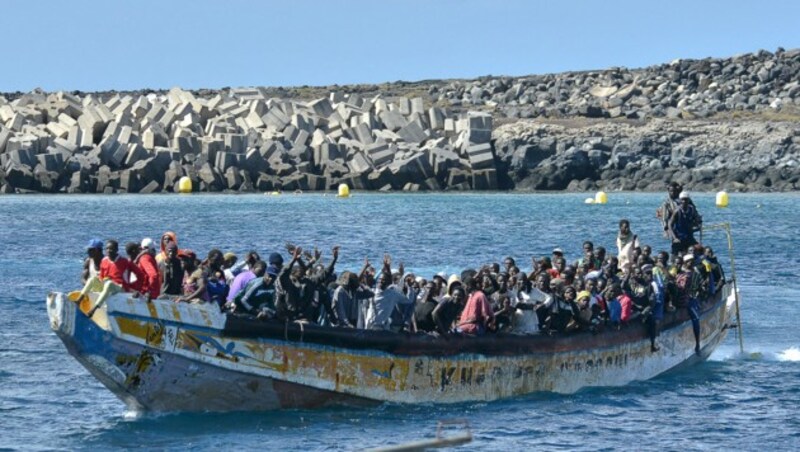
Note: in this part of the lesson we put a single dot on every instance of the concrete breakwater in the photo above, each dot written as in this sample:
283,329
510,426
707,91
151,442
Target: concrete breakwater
729,123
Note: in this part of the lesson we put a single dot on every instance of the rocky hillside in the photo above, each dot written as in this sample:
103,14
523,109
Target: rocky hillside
730,123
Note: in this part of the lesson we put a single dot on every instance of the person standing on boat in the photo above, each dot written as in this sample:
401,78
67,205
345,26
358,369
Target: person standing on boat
627,242
387,298
689,284
91,265
171,272
167,238
477,317
685,220
668,207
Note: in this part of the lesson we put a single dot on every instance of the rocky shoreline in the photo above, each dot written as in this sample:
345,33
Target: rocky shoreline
731,123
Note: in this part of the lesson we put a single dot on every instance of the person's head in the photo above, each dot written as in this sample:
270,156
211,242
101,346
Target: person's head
647,272
559,264
430,291
298,272
132,249
662,258
708,252
188,260
259,268
149,245
229,260
688,261
167,238
508,262
487,282
384,280
568,275
172,251
591,285
588,247
495,267
557,253
600,253
471,284
275,260
543,282
112,249
215,258
647,251
673,189
583,297
624,226
459,296
513,270
557,286
545,263
95,248
684,198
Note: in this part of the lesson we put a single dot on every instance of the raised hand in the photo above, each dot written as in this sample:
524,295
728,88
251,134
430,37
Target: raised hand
335,252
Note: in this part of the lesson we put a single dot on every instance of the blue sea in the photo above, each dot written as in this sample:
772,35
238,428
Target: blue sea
734,401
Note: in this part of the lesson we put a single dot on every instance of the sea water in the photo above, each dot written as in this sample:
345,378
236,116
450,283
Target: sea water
736,401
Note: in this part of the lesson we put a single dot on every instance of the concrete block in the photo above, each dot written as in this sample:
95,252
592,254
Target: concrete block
233,180
255,162
234,143
393,120
267,183
458,176
359,163
225,160
413,133
129,181
484,179
136,153
51,162
58,129
417,105
302,122
276,119
322,107
254,121
297,181
436,118
480,156
301,139
301,153
5,135
152,187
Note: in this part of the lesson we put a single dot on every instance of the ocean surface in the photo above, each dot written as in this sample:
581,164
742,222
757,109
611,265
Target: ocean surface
733,401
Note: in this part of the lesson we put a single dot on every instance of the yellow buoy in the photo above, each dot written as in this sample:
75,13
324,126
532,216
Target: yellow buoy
344,191
600,197
185,185
722,199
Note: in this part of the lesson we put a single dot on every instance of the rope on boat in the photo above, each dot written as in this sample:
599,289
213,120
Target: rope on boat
286,329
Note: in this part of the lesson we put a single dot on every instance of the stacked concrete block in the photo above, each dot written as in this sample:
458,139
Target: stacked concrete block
480,156
235,140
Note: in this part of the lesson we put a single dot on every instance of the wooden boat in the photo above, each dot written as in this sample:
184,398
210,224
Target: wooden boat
167,356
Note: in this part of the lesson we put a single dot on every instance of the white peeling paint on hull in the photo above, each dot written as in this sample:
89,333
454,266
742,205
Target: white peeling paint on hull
154,355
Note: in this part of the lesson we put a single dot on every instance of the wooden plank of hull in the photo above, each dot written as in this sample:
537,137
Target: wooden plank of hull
164,354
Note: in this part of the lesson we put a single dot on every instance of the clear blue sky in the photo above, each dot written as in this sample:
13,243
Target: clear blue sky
108,44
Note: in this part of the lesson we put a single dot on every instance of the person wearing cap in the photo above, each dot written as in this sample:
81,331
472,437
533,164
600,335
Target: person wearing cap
685,220
171,272
91,265
557,253
689,286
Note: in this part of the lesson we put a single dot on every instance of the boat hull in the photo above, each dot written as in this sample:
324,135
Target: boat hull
164,356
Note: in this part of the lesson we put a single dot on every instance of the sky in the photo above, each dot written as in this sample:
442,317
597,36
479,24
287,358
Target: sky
96,45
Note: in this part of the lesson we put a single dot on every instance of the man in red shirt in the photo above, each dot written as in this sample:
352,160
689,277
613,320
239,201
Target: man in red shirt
143,258
477,316
119,269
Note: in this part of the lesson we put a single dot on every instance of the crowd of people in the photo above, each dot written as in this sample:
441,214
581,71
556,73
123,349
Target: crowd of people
595,292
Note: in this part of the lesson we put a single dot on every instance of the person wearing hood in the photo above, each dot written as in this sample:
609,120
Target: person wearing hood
166,238
146,261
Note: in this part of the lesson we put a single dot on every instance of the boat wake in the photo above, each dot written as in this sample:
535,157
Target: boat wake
791,354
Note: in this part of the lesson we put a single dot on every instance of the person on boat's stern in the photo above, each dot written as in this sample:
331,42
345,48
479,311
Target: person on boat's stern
478,316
